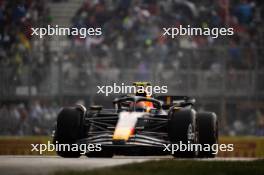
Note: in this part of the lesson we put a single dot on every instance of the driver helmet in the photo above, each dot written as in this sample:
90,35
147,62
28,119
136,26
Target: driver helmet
144,104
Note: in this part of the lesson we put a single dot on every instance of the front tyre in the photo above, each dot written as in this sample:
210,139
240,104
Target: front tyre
68,131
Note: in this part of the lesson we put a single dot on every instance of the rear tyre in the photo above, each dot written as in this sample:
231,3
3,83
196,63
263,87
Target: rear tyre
182,130
68,130
208,132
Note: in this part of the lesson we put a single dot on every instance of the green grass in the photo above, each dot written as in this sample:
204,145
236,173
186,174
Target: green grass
176,167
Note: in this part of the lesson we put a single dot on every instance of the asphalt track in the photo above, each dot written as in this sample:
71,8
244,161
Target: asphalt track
43,165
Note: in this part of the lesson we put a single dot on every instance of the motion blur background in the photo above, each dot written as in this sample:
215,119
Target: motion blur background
38,76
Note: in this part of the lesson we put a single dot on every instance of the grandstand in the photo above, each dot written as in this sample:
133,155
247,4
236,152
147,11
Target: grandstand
40,75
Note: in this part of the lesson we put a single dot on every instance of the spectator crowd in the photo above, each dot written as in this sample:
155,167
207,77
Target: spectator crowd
132,40
16,43
34,119
136,27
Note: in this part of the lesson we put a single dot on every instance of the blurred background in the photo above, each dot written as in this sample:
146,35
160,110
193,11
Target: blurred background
38,76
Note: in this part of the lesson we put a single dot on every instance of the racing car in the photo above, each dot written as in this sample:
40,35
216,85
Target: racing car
137,125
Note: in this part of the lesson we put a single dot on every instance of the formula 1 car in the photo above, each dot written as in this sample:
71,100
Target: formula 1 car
132,129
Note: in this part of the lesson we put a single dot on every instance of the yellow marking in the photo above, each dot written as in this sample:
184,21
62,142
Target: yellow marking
122,134
148,109
168,100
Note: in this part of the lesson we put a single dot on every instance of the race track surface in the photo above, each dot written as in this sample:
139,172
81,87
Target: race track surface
43,165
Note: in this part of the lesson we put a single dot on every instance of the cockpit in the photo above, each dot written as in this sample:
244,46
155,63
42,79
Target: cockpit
137,104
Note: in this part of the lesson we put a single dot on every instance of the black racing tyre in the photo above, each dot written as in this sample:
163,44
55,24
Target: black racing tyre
68,130
208,132
182,130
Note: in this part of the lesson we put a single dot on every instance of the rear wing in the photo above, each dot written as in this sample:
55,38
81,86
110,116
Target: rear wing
179,101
